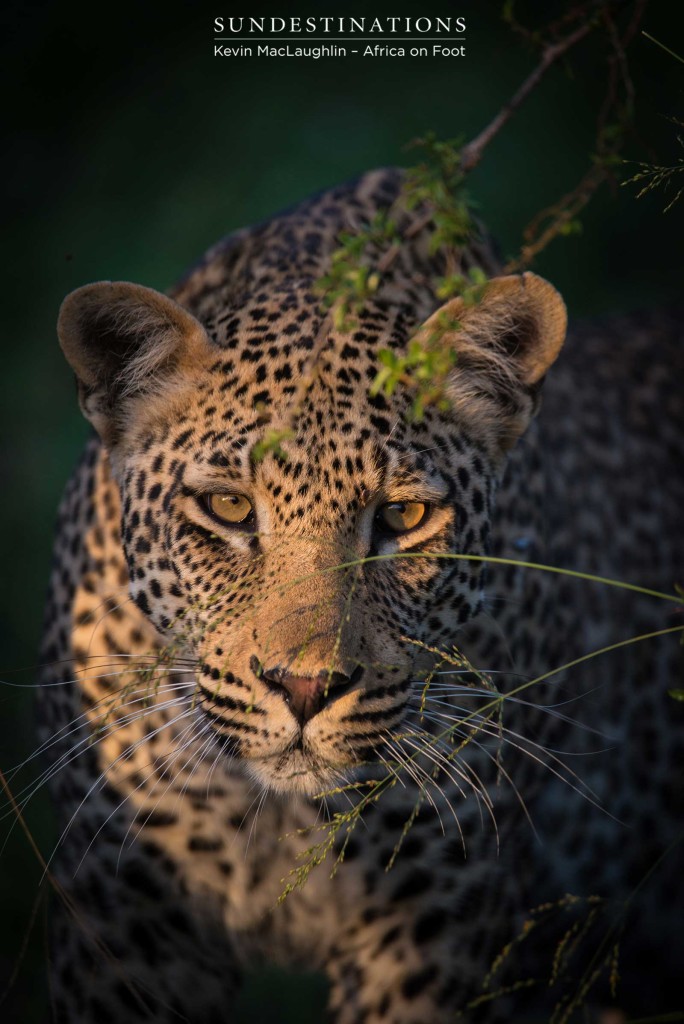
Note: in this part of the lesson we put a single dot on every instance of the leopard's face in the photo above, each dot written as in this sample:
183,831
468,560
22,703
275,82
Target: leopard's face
281,574
312,586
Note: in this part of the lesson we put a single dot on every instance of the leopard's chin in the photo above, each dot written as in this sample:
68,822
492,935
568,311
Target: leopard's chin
296,771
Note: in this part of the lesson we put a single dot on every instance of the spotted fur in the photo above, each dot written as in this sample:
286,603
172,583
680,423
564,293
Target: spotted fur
207,683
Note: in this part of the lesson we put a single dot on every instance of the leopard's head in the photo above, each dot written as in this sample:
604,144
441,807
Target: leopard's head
310,576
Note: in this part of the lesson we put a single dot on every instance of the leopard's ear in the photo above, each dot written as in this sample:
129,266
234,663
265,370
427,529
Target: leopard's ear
124,342
504,343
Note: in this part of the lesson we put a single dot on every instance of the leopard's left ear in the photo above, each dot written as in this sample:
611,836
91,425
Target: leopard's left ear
504,344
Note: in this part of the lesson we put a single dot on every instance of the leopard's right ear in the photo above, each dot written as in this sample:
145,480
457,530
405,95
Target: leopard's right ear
125,343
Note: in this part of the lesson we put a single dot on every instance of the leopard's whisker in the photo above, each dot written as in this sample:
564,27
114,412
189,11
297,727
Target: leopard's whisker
468,736
392,769
99,781
498,729
472,672
201,730
71,755
131,793
259,793
217,759
452,769
252,829
409,739
459,764
108,611
494,696
410,761
582,788
113,699
194,731
415,771
86,718
185,741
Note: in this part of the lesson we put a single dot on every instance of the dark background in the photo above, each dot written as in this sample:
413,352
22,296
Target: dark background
131,149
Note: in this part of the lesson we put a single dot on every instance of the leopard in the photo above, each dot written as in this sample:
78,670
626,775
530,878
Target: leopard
286,705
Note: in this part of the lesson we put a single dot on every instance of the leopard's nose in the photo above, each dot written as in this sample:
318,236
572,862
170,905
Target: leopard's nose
306,695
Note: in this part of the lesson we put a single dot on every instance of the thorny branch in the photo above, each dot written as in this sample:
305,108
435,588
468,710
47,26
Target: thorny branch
472,153
618,102
559,217
434,193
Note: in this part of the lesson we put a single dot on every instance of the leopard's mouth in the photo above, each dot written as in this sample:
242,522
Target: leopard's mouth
298,769
289,753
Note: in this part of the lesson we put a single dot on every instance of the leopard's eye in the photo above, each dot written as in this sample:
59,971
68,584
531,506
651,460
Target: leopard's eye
234,509
401,516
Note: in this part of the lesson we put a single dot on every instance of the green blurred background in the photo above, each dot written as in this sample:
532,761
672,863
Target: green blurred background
131,149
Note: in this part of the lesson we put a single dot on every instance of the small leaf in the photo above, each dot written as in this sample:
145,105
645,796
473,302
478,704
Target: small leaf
271,443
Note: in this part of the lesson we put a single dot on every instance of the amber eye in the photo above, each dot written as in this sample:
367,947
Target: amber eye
401,516
229,508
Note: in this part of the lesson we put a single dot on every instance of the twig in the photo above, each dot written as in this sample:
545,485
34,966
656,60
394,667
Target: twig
70,904
562,213
472,153
663,47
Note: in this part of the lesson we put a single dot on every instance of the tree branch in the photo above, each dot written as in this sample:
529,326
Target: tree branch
558,218
472,153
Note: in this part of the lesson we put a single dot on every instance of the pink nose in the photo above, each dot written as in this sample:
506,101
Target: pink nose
306,695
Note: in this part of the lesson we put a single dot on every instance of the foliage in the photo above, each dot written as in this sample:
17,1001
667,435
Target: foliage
651,177
437,185
351,280
271,443
434,189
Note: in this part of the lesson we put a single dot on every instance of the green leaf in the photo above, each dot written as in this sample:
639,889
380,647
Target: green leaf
271,444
